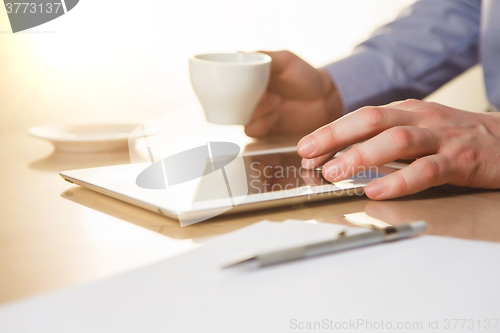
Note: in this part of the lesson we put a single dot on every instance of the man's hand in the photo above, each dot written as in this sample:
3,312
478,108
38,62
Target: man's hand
299,98
451,146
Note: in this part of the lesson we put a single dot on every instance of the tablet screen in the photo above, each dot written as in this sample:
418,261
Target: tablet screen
283,171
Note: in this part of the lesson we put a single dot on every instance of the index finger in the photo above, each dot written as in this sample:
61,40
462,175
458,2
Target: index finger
352,128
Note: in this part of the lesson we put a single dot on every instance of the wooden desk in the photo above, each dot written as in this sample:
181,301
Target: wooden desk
54,234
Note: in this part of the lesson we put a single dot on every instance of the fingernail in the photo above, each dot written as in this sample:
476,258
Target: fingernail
307,163
306,146
374,189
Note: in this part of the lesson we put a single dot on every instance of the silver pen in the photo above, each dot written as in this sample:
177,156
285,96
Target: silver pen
378,235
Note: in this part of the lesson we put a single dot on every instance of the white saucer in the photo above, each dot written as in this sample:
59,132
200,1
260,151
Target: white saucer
89,138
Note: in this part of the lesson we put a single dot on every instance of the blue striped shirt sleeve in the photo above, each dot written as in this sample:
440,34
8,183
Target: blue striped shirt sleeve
429,44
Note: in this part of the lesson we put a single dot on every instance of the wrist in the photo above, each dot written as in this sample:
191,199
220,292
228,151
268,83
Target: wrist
331,97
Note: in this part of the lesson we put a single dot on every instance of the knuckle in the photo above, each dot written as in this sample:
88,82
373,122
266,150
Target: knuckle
332,133
433,111
430,169
410,101
469,167
401,136
354,157
287,55
481,128
399,184
468,156
406,104
372,115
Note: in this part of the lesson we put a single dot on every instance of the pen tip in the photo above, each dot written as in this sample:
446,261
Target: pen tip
240,262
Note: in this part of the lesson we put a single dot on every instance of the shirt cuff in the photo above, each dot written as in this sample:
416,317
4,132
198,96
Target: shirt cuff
361,79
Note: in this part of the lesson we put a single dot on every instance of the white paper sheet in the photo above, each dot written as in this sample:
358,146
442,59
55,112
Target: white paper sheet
418,280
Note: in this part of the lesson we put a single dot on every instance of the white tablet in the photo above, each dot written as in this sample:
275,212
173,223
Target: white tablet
273,178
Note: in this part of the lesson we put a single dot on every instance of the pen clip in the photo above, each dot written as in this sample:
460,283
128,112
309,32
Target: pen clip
390,232
365,221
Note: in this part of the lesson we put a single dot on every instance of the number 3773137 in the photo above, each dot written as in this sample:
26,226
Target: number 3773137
26,7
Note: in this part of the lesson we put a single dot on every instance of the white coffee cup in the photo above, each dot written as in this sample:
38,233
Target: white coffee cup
229,85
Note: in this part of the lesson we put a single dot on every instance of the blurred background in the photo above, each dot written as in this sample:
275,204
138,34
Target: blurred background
127,61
